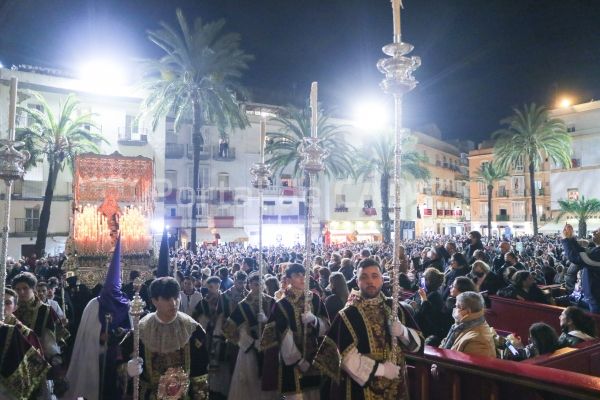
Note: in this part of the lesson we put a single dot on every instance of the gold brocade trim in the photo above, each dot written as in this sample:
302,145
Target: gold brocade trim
269,337
231,332
329,359
199,387
28,376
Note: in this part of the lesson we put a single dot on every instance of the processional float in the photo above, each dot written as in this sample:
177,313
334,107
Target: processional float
112,194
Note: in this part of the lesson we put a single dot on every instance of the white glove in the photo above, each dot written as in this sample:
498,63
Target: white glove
303,365
134,367
388,370
309,318
397,329
262,318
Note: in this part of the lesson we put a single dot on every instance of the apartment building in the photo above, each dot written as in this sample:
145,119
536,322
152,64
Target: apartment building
511,197
442,203
583,124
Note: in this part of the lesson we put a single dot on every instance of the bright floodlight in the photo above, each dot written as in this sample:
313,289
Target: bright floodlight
566,102
102,74
158,225
370,116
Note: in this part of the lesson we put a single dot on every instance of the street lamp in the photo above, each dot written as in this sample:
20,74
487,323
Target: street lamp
398,80
12,167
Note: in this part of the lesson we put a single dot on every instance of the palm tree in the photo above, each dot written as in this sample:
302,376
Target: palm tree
197,78
283,147
582,209
57,138
533,136
377,156
489,173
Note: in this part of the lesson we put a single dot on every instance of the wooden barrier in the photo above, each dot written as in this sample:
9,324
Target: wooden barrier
464,377
585,359
517,315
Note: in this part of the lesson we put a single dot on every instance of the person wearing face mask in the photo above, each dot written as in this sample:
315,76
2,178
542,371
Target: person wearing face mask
576,327
485,280
524,288
470,333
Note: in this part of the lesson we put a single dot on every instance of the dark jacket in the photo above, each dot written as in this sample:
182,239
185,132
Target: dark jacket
534,294
451,275
590,277
471,249
491,283
431,317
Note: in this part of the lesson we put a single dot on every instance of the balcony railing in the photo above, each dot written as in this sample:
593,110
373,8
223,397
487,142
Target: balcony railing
128,137
204,153
369,211
221,197
27,226
174,150
270,219
341,209
502,193
502,217
228,155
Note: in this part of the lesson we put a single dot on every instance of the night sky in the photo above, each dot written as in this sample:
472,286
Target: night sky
479,58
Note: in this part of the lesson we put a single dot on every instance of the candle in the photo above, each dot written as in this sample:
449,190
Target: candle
314,88
263,133
396,5
12,110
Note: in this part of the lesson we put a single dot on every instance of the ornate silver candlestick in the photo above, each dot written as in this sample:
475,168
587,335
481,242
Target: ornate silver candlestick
398,80
136,309
312,163
260,180
12,167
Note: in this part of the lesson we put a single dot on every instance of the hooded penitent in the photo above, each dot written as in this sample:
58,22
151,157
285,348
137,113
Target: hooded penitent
112,300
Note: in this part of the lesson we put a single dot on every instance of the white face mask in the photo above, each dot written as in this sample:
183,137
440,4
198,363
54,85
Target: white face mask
456,315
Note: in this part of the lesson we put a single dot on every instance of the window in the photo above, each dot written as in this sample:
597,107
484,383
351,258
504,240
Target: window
170,125
340,200
269,207
573,194
518,210
517,185
483,209
519,164
483,191
32,219
368,202
223,180
131,128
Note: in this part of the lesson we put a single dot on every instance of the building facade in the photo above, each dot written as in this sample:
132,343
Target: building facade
511,197
583,123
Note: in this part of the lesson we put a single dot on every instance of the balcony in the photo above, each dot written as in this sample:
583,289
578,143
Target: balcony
129,137
341,209
427,191
502,193
174,150
221,197
292,219
25,227
427,212
204,153
270,219
227,156
369,211
502,217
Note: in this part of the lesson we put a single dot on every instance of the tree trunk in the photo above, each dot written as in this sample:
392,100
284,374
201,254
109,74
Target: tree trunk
490,189
582,228
42,232
385,208
533,204
197,143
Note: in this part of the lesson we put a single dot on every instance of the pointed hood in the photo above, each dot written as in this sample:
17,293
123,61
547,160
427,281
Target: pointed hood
163,256
112,300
